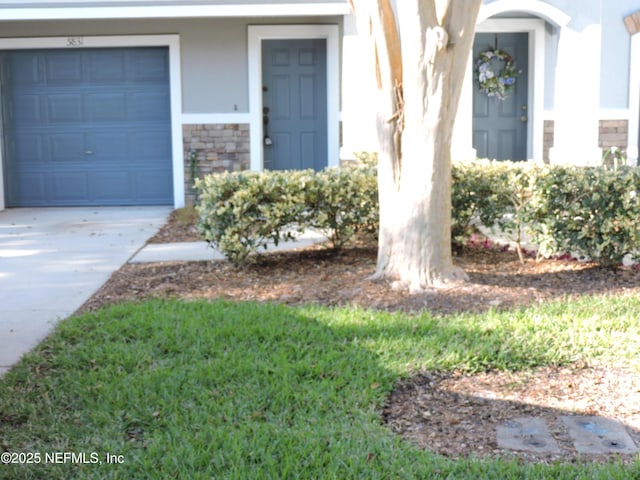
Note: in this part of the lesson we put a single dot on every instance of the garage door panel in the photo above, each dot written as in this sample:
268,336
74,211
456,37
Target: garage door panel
149,146
107,107
150,185
150,106
108,187
109,147
26,71
65,108
30,187
63,68
149,66
69,187
28,147
88,127
107,67
67,147
27,110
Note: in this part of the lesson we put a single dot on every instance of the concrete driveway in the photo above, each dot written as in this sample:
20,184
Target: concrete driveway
53,259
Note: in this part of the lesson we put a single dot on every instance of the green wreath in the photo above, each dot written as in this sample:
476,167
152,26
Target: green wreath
496,85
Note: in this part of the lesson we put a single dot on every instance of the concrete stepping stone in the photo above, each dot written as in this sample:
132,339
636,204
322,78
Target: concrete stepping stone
598,435
527,433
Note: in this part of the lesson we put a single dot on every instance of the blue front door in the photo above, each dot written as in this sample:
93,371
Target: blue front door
294,76
500,126
87,127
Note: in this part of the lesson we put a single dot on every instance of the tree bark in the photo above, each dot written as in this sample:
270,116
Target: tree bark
418,104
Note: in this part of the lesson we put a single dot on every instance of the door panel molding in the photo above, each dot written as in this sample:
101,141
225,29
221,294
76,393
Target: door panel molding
258,33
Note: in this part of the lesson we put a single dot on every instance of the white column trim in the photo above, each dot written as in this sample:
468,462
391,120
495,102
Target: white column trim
634,101
257,33
175,85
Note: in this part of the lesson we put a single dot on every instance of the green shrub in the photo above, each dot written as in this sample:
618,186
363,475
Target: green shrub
590,211
343,202
479,193
240,213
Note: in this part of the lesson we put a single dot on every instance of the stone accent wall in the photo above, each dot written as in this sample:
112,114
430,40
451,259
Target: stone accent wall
613,133
213,148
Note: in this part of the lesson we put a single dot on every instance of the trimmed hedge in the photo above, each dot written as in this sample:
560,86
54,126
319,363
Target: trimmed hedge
241,213
590,211
593,212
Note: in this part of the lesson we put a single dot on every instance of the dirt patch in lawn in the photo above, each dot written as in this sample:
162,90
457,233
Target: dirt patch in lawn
458,415
452,414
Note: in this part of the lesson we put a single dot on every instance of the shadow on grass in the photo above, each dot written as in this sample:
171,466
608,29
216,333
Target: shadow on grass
224,390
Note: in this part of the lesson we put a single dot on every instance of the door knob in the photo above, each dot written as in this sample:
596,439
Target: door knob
524,119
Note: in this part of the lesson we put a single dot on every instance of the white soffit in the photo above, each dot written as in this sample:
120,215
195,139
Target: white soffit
122,9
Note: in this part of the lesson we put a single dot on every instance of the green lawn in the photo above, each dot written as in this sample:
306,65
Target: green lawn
224,390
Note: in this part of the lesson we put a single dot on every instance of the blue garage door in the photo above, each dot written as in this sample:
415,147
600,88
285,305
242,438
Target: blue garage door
87,127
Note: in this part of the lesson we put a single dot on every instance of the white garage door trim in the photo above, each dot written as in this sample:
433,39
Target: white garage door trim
76,42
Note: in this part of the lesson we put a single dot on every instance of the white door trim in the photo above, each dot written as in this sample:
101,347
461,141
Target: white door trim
258,33
170,41
535,96
634,101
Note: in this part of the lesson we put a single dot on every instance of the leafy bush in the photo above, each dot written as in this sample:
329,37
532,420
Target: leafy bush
343,202
479,193
590,211
241,213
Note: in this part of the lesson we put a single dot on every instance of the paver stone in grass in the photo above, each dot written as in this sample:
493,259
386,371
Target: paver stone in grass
528,434
592,434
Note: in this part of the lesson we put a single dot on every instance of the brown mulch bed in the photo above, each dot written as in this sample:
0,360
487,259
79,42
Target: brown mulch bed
452,414
319,275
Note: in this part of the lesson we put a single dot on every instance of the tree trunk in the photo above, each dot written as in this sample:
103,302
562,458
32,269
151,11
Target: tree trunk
418,106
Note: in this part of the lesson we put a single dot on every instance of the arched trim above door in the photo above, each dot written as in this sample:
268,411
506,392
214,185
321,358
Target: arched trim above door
540,9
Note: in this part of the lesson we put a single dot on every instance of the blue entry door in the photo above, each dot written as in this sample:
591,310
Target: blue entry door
294,92
87,127
500,126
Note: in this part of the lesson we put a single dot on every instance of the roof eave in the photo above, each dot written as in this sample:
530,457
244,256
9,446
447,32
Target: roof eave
165,11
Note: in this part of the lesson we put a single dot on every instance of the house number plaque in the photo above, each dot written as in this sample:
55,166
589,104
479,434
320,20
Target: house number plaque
75,41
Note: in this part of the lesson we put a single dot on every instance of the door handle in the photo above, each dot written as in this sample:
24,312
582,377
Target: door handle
524,119
265,122
88,152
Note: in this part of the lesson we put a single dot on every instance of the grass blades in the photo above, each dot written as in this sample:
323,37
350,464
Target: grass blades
225,390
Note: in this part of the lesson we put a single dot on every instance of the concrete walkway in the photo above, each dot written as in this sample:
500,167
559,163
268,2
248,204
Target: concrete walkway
53,259
197,251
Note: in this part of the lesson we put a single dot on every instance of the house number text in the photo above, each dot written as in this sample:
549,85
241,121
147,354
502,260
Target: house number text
75,41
